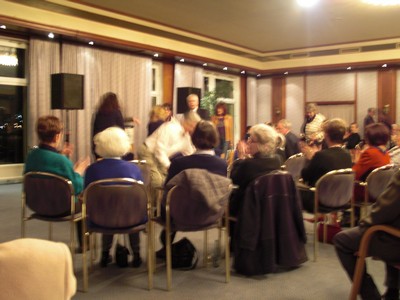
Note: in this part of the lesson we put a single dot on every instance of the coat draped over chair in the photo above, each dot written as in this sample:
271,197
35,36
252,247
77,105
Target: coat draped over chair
270,230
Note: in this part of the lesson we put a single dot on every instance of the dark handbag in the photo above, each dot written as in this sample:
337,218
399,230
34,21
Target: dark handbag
184,255
121,256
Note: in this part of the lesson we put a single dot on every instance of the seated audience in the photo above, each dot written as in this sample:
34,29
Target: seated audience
352,138
280,147
321,162
261,159
47,158
111,144
394,152
205,138
292,141
386,210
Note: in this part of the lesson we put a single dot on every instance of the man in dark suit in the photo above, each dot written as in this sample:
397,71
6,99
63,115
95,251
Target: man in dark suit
386,210
291,140
369,119
192,102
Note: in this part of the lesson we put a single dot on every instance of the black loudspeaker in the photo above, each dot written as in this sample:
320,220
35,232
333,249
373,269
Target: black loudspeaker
183,92
66,91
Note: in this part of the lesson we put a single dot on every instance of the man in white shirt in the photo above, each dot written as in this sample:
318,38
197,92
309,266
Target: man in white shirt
170,139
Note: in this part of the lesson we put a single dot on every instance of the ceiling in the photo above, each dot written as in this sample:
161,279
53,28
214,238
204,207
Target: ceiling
263,31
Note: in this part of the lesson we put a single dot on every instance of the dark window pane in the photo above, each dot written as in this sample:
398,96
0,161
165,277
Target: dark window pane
224,88
11,124
10,56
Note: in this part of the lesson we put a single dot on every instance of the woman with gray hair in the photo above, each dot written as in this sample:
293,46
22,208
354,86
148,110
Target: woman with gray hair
111,144
260,159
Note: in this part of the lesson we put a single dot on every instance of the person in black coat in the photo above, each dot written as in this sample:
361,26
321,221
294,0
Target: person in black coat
353,138
321,162
192,102
291,140
259,158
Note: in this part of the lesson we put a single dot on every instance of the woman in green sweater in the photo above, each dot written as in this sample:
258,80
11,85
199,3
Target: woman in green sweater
46,157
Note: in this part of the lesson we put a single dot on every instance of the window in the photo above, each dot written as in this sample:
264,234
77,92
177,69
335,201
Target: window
156,84
12,99
226,89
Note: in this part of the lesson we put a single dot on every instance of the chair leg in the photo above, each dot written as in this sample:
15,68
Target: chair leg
84,261
357,277
205,249
150,252
169,259
325,228
227,251
153,242
315,236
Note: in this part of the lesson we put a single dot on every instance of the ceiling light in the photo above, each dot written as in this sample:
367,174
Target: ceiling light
382,2
8,57
3,27
243,72
258,75
348,68
91,43
155,55
384,65
286,73
225,68
205,65
182,60
51,35
307,3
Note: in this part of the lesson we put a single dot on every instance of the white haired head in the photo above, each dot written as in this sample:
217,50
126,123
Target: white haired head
111,142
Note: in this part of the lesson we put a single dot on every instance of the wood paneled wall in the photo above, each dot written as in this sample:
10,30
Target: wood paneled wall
387,91
168,82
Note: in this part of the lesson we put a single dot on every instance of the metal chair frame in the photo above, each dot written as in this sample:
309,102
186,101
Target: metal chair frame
72,218
120,183
294,164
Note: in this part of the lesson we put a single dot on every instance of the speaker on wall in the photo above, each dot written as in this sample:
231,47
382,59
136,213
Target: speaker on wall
183,92
66,91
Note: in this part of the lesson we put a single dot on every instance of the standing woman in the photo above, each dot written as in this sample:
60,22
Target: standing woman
108,114
224,125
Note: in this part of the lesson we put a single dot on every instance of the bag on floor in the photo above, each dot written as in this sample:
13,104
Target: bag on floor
331,231
121,256
184,255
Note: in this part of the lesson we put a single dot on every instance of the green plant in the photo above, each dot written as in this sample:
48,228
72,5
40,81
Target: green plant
209,101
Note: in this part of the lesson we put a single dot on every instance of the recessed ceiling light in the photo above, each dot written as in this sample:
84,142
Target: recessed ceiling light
205,65
155,55
51,35
225,68
243,72
286,73
3,27
307,3
348,68
91,43
182,60
384,65
258,75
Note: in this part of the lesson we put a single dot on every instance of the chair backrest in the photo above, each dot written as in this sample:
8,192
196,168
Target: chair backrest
144,169
48,194
335,188
378,179
294,164
116,203
199,198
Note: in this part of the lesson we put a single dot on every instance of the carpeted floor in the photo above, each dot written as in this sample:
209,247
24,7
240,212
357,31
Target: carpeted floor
323,279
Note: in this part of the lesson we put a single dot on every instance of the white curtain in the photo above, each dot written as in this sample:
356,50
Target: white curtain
343,111
126,75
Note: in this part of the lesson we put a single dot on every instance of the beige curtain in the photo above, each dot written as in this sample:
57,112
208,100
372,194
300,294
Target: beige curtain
126,75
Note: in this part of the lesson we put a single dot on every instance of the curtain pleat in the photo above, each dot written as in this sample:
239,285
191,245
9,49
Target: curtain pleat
126,75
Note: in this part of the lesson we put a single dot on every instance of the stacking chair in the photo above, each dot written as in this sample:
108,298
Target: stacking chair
374,184
363,253
189,208
333,192
115,206
51,198
294,164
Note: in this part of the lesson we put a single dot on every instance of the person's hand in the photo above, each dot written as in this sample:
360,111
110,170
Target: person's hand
68,149
136,121
309,151
242,149
81,165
